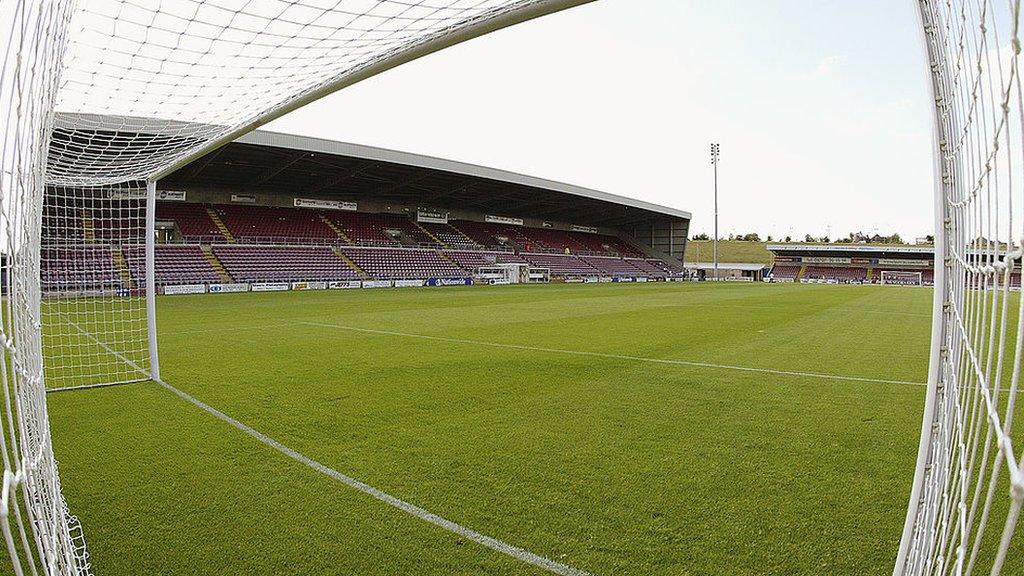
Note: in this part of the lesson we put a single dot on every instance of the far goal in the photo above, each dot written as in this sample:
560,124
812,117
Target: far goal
901,277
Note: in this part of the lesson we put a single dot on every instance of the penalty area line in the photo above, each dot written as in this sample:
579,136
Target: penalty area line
393,501
709,365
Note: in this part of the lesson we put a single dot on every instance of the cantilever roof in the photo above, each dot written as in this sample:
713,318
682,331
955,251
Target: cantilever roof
276,163
293,142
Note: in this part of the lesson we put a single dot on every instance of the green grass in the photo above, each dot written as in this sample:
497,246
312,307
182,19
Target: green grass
611,465
733,251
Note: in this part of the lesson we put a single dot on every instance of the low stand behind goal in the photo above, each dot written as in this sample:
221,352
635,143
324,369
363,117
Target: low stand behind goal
901,277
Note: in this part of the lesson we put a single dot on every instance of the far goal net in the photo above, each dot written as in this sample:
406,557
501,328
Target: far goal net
900,277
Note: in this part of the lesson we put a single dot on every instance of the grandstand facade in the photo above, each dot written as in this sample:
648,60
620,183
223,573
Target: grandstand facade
275,211
857,264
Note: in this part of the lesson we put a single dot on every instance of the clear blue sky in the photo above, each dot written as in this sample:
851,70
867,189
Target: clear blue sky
820,108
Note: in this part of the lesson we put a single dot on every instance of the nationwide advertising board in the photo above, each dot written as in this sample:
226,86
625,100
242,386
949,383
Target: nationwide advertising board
450,282
226,288
271,287
243,198
588,229
325,204
185,289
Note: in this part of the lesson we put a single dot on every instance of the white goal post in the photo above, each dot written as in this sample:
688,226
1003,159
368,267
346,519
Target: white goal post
102,98
900,277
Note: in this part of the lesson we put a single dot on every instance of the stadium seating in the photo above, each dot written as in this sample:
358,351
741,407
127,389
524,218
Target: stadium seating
785,271
836,273
450,236
470,260
274,224
290,244
491,235
79,268
561,264
611,266
283,263
173,264
403,263
647,268
192,220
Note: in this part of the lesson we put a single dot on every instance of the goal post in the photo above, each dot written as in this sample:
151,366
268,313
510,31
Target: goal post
968,485
101,99
900,277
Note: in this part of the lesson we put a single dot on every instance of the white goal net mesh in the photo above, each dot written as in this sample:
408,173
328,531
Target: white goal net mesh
969,484
100,99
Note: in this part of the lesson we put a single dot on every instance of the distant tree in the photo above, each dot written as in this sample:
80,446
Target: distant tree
752,237
825,239
808,238
701,236
789,239
769,238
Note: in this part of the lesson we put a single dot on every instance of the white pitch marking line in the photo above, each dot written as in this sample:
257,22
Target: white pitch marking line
423,514
615,356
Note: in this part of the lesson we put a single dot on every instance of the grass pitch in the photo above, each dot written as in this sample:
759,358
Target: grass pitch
538,415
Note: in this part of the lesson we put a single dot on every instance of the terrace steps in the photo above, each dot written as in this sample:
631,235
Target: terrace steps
429,235
871,274
220,224
800,274
337,230
217,266
448,258
122,269
348,262
88,226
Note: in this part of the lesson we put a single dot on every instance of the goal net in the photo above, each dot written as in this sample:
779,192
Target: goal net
900,277
102,98
968,487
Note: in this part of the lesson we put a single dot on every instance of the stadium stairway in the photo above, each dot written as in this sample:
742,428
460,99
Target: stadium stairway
348,262
220,224
800,274
429,235
122,268
448,258
217,266
871,274
88,226
341,234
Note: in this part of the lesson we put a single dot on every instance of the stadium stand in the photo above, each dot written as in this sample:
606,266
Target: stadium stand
215,243
470,260
192,220
836,273
173,264
79,268
251,263
399,264
785,271
561,264
611,266
648,268
272,224
450,236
